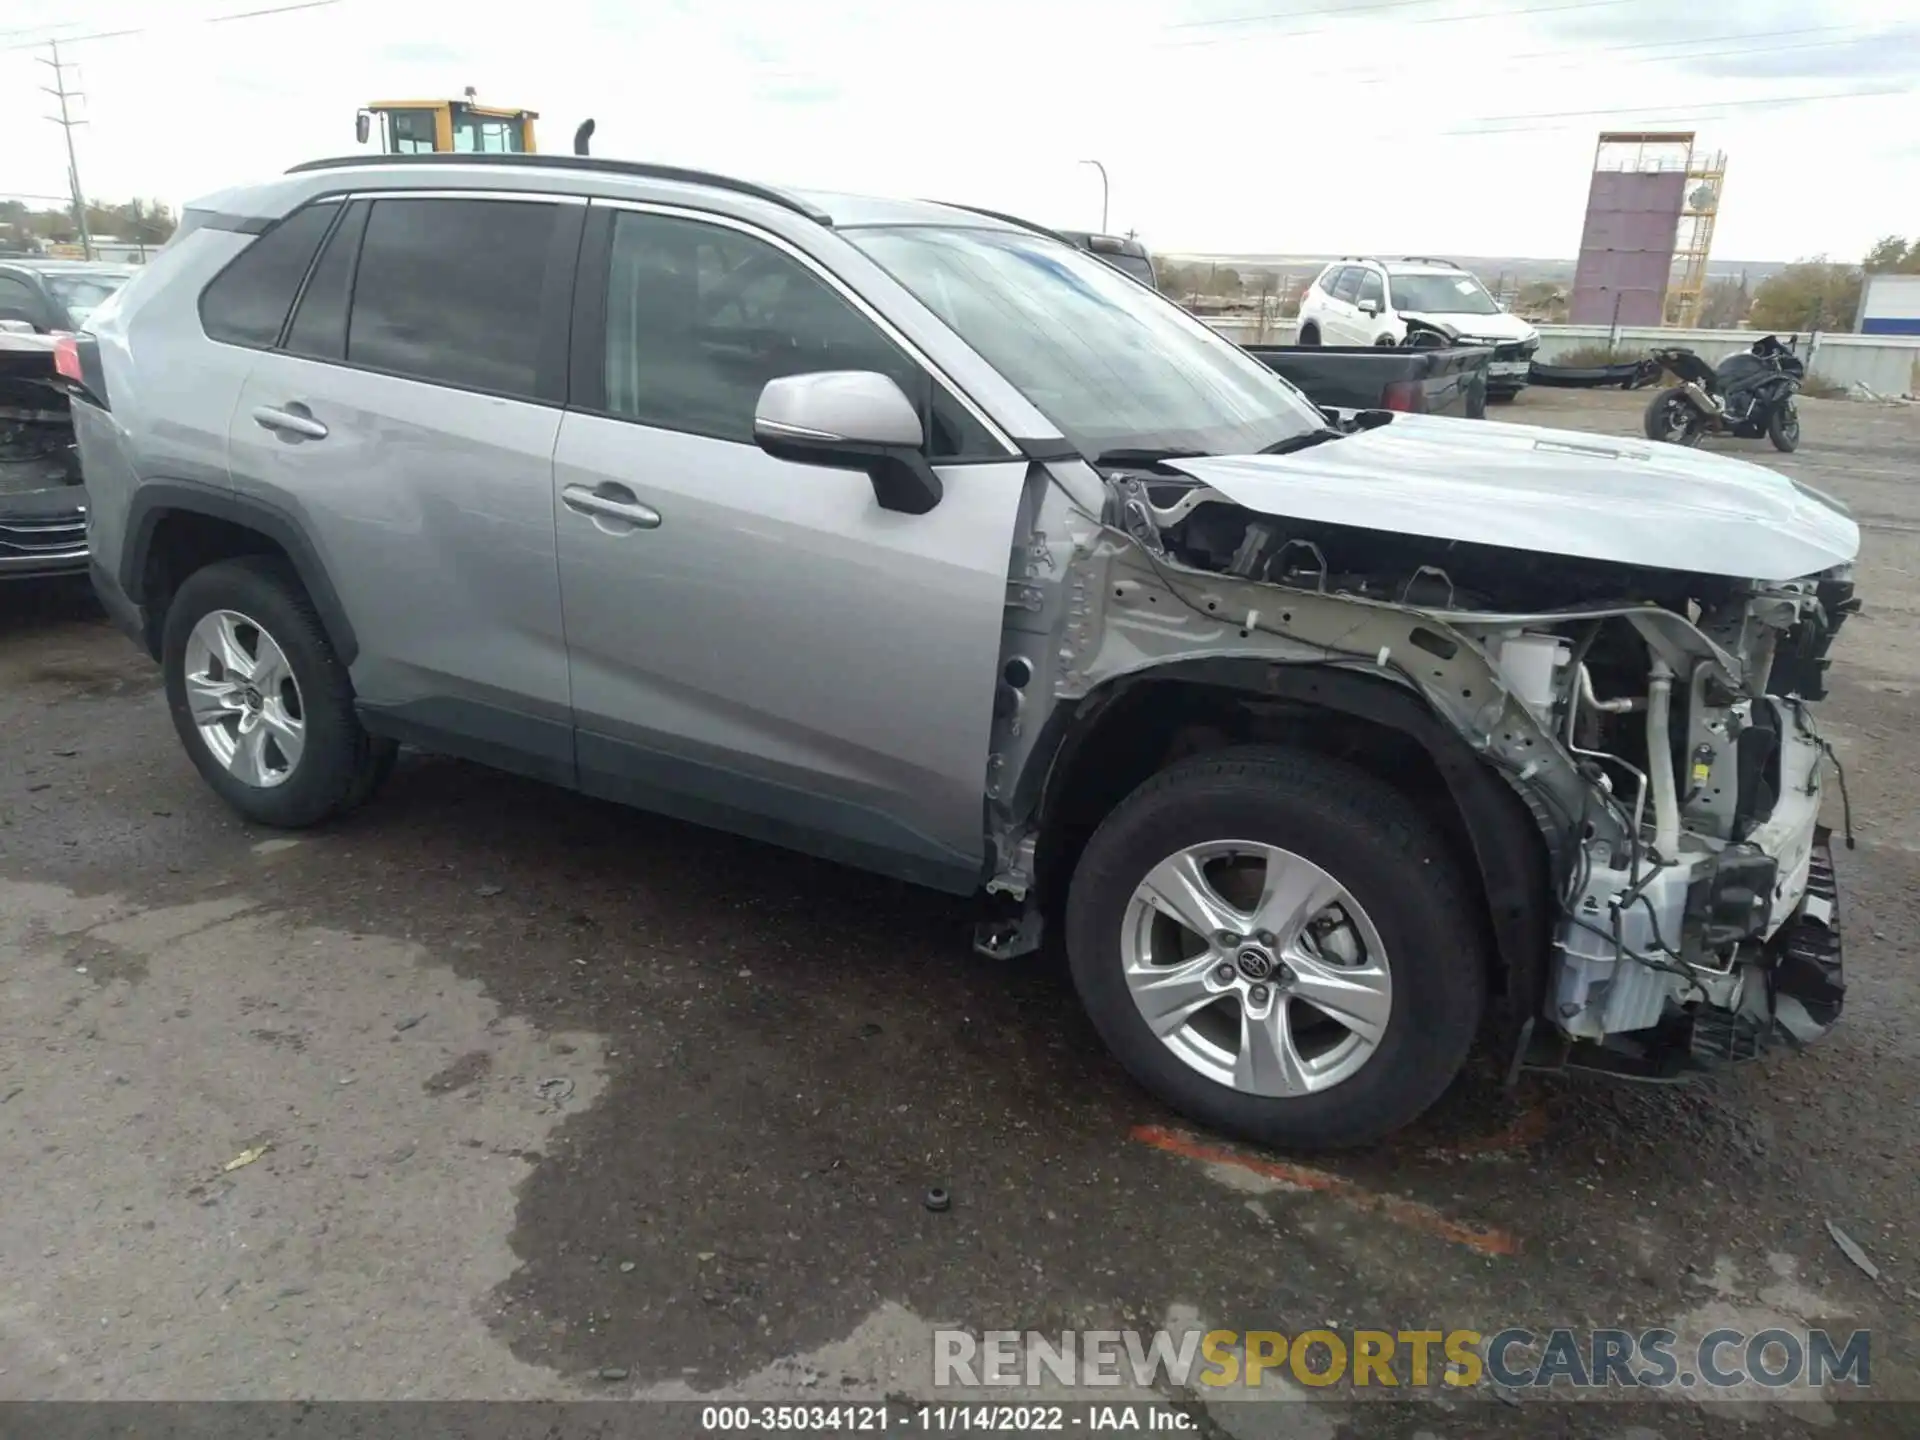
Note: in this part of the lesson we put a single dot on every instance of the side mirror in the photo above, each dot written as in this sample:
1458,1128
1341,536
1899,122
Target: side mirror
362,126
1369,307
851,420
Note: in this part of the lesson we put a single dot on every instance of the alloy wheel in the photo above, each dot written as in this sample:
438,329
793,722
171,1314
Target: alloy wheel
1256,968
244,698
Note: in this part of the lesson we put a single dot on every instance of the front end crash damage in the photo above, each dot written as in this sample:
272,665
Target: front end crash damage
1652,721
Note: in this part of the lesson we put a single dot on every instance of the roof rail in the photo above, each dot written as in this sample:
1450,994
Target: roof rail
1428,260
595,164
1005,219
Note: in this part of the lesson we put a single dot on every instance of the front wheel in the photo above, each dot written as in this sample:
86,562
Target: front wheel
1673,418
1309,334
261,702
1277,945
1783,428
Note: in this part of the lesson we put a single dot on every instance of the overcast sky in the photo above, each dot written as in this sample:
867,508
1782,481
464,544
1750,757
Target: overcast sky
1226,126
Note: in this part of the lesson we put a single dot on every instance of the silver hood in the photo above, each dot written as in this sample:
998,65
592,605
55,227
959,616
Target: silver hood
1551,492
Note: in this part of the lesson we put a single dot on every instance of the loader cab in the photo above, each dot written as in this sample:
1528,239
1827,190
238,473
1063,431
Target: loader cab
440,127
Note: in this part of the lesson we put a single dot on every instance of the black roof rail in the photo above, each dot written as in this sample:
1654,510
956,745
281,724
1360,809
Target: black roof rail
1005,219
1428,260
595,164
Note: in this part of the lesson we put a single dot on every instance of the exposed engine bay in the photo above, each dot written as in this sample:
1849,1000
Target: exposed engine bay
1655,721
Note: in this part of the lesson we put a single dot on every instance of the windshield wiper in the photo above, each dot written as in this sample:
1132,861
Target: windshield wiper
1145,455
1302,442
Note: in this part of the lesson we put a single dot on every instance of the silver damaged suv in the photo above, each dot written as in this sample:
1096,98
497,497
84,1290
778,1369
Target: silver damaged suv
915,539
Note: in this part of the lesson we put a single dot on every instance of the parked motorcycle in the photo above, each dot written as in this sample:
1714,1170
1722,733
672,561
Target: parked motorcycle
1748,395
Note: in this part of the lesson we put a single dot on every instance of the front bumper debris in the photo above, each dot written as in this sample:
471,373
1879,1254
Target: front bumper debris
1792,993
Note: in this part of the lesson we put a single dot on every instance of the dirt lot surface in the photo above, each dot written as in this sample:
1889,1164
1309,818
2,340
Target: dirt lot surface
496,1092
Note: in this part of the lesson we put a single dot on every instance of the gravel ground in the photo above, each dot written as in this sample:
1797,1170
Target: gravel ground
492,1091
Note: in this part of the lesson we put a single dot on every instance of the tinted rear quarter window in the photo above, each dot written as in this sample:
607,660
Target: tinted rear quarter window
449,291
247,303
320,326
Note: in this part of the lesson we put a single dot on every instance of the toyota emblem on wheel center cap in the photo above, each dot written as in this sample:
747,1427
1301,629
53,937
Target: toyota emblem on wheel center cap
1254,963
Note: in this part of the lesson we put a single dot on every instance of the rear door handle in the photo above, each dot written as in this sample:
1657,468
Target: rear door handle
294,419
613,501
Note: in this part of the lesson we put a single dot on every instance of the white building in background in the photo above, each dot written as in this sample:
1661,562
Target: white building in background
1889,305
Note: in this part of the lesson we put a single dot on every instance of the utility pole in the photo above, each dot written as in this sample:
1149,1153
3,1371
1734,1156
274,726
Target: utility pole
66,122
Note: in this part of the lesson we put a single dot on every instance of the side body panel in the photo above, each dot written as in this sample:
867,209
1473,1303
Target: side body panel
780,656
173,406
431,509
777,654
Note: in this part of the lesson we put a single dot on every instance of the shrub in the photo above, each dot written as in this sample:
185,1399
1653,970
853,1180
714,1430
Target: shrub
1586,355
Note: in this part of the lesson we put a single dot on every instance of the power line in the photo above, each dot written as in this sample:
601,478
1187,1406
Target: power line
1337,11
1570,58
1682,113
193,20
1700,40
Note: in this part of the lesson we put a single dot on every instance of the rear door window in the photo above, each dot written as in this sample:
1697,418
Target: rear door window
450,291
1347,287
247,303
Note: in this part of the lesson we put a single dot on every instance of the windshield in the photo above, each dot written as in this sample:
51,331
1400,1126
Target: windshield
81,295
1441,295
1104,358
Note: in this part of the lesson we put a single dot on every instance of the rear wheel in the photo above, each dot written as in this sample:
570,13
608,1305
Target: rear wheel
1309,334
1783,427
1276,945
260,700
1672,417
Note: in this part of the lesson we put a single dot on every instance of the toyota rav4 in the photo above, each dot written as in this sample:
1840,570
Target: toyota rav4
919,540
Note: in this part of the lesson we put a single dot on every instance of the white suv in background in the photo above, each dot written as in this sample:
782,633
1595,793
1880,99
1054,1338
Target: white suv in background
1368,302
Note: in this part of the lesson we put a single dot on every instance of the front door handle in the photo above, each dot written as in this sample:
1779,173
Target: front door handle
294,419
612,501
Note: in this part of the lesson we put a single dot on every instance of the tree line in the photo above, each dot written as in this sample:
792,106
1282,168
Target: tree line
1821,294
144,222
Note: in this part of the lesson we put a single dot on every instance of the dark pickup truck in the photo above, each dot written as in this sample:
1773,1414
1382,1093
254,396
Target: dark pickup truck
1451,381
